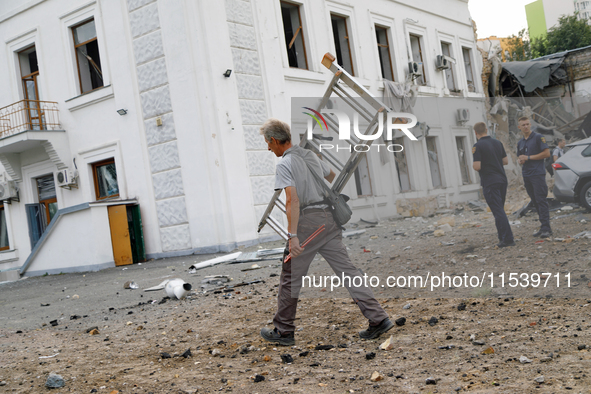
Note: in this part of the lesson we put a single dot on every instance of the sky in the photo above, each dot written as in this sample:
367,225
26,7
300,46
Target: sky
499,18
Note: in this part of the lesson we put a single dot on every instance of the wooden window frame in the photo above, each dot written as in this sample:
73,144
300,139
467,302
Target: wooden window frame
301,32
95,178
76,46
346,37
387,46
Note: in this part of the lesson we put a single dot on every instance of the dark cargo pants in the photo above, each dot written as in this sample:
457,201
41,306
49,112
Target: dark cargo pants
537,189
495,198
330,246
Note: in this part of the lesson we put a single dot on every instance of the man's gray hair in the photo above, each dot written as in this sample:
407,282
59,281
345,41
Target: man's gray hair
274,128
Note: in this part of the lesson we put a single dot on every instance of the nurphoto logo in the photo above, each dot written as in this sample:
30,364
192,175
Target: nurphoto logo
393,121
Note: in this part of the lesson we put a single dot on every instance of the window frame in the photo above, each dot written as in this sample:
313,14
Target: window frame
464,141
471,66
101,163
302,35
436,140
388,47
347,37
401,141
3,210
451,68
76,46
421,44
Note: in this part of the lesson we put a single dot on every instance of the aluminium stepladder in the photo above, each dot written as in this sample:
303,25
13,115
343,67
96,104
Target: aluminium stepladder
339,85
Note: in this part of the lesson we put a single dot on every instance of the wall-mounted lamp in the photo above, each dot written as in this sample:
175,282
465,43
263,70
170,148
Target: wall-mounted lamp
122,111
227,73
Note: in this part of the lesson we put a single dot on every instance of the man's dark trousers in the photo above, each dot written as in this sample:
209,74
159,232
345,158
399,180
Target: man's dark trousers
537,189
495,198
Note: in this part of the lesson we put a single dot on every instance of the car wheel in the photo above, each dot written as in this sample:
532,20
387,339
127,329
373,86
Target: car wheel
585,196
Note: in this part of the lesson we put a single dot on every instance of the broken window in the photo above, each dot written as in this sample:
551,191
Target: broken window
434,161
467,55
342,45
30,80
294,35
417,56
402,165
384,53
362,180
463,159
449,73
88,60
47,196
105,179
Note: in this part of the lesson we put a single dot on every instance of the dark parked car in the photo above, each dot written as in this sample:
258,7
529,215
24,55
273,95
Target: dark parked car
573,174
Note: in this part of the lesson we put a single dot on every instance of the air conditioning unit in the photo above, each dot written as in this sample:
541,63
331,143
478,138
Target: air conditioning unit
463,115
8,190
442,63
67,178
414,69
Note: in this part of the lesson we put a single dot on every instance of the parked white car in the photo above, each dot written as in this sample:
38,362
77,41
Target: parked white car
573,174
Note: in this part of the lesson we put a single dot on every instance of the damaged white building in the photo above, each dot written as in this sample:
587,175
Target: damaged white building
129,129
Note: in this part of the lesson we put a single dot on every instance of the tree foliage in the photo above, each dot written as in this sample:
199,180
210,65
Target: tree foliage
570,33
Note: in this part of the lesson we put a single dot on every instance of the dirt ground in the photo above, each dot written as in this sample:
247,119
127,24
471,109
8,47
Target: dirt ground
537,338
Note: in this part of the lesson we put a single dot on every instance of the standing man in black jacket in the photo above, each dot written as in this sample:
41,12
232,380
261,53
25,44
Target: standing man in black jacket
489,157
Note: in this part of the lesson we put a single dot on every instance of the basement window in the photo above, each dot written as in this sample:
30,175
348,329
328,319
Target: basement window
88,60
105,179
417,56
463,159
402,166
384,53
342,42
294,35
467,55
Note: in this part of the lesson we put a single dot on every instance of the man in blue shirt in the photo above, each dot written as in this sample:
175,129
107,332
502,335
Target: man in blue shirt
489,158
531,152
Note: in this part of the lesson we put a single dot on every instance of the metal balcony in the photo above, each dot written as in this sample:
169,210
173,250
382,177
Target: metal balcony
28,115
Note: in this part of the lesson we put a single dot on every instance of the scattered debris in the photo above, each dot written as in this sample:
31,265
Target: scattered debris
376,376
439,233
433,321
286,358
400,321
258,378
187,353
323,347
54,381
165,355
524,360
353,233
539,379
252,268
370,356
217,260
52,356
488,350
407,306
430,381
53,323
388,344
130,285
462,307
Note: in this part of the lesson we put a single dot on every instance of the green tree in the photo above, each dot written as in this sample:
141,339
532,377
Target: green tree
571,33
518,47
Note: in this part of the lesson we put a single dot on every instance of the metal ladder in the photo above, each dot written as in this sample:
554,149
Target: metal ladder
346,170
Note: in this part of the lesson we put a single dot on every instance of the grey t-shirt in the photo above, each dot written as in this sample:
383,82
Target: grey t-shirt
292,170
558,152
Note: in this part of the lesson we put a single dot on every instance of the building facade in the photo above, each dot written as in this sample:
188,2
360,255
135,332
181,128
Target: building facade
130,128
542,15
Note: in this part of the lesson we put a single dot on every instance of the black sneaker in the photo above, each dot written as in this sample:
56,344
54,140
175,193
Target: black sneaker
505,244
272,335
538,233
373,332
546,234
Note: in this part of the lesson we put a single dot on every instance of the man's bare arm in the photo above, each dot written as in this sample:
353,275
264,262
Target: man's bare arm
330,177
476,165
292,210
505,160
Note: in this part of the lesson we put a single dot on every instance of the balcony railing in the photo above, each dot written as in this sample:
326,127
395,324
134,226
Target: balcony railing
28,115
